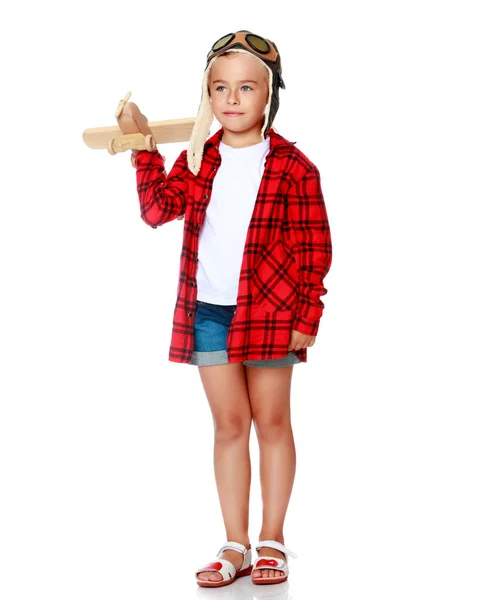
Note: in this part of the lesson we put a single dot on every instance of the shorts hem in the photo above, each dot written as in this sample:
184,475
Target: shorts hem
284,361
220,357
211,358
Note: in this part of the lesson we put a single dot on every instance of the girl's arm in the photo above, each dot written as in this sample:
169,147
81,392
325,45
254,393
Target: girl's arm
313,250
162,197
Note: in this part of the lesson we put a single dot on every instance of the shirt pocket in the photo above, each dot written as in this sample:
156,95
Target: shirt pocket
274,280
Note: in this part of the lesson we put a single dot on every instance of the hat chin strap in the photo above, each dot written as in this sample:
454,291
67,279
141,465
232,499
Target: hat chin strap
205,116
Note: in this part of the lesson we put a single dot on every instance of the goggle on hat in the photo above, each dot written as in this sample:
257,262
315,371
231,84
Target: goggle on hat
240,41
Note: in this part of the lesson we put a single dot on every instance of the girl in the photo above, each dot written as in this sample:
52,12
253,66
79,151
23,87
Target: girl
256,249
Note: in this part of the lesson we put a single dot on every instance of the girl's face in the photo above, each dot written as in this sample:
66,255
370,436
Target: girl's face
238,83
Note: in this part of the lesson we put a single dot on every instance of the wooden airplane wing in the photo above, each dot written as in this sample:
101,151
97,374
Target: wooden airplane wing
164,132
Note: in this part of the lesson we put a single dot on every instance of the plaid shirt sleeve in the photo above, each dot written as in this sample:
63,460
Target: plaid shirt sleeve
313,251
162,197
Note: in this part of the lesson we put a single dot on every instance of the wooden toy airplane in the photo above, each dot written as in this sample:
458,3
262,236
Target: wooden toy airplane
134,132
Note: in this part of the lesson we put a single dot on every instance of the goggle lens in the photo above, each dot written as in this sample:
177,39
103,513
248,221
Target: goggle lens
257,43
222,42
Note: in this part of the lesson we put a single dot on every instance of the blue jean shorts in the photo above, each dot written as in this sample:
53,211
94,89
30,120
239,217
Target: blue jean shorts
212,322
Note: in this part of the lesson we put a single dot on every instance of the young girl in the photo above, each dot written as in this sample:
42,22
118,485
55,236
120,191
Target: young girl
256,249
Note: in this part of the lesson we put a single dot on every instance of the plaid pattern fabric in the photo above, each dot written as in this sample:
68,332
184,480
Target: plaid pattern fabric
286,256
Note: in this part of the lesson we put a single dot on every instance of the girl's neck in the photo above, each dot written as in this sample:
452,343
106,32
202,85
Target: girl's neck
241,139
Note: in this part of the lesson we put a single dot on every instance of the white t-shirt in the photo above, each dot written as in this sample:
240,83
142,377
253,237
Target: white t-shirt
228,215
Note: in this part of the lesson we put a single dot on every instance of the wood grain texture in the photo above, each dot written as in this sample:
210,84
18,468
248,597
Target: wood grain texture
164,132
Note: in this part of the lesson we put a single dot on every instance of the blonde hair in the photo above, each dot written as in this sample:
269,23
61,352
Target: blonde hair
232,53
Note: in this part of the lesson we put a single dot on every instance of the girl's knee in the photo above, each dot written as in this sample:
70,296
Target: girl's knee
232,427
272,428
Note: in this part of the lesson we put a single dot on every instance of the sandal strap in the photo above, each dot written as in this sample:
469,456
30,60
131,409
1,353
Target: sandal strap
229,545
246,552
277,546
271,562
222,566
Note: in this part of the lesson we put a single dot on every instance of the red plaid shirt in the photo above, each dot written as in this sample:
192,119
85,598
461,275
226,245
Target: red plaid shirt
286,256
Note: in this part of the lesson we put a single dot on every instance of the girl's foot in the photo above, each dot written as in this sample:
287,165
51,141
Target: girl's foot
265,551
234,557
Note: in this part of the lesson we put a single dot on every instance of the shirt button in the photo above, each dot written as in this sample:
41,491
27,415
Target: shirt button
214,168
205,196
197,226
190,314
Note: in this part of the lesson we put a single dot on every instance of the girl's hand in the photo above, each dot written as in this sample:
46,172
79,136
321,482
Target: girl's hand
300,340
132,120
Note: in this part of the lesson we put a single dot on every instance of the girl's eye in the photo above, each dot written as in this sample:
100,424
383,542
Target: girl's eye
222,86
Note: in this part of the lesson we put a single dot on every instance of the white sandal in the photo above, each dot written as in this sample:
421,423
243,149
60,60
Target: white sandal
226,568
272,562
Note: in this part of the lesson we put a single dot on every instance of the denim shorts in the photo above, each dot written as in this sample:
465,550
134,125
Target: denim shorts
212,322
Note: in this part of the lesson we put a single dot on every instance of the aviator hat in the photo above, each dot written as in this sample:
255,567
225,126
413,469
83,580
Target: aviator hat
240,41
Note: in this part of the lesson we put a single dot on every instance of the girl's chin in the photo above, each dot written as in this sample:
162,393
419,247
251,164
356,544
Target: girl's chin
238,124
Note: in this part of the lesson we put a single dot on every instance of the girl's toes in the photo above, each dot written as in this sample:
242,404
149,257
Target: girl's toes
209,576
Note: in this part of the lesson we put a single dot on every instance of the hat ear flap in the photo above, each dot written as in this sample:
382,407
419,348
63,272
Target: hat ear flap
202,126
268,111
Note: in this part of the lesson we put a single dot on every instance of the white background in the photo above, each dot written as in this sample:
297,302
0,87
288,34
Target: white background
106,465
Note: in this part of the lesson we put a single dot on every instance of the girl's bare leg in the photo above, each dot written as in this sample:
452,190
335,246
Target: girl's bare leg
269,394
227,393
